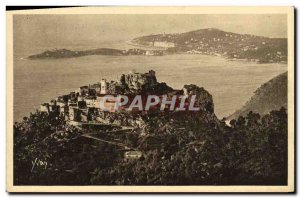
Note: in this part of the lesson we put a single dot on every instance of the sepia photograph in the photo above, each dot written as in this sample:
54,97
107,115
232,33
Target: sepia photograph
150,99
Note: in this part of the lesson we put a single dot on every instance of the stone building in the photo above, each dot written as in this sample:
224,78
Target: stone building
83,90
96,88
74,114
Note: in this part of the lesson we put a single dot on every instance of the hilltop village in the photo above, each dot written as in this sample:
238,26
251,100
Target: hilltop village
83,107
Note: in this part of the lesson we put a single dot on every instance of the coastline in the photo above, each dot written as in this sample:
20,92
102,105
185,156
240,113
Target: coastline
132,43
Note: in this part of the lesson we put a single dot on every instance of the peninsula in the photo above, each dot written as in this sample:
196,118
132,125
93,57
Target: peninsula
65,53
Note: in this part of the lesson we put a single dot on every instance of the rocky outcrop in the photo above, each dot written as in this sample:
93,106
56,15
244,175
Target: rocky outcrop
204,99
148,121
138,82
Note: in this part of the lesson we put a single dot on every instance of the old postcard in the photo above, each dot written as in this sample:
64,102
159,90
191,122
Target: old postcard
150,99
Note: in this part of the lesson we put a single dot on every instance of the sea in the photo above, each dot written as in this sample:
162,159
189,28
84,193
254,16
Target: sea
231,83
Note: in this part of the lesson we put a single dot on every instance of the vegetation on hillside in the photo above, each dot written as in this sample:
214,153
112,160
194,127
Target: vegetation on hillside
176,151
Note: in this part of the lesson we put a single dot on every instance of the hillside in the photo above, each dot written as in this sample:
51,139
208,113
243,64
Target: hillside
270,96
71,141
220,43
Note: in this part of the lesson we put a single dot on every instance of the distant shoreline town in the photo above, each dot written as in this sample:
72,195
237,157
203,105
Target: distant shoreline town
209,41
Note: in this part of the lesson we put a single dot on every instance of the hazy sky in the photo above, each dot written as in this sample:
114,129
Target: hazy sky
43,30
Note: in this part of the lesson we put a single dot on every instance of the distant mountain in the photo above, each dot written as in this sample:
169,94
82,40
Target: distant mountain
213,41
270,96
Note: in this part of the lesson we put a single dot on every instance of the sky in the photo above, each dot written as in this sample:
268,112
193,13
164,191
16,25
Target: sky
44,30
